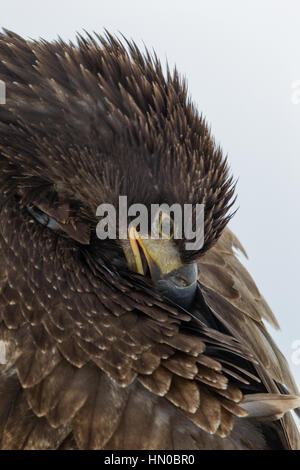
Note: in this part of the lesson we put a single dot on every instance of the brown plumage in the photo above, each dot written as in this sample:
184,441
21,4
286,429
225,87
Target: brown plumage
97,357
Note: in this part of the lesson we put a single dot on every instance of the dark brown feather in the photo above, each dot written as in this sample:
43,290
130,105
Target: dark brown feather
95,356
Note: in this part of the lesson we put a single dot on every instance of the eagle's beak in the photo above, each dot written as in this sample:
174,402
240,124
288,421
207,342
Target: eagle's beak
161,258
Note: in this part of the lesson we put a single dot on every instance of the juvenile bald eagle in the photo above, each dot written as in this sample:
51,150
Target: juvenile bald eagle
98,356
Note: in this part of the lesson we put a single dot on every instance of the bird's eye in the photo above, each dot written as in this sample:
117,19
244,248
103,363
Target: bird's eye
43,218
166,226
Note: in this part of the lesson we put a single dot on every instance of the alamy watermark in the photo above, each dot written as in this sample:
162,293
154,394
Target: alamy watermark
295,96
2,353
165,222
296,353
2,92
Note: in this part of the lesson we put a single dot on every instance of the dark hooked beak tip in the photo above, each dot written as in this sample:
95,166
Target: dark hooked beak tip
161,259
179,285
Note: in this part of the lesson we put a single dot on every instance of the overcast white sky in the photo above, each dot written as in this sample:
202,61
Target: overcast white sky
240,59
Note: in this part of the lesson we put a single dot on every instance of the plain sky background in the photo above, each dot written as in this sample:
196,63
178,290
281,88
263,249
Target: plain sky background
240,59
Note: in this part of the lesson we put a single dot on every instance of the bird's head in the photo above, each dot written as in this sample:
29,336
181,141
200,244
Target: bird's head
86,124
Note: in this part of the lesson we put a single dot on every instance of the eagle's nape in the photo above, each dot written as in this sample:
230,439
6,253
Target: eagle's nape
97,357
